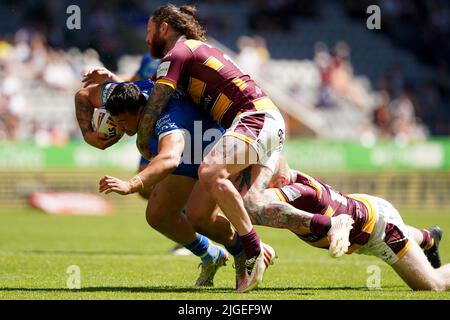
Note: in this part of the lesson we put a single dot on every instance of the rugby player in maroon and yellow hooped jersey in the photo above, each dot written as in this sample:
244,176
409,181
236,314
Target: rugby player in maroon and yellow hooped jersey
378,228
254,137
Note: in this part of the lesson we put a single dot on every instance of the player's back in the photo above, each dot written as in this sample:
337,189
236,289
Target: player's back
212,80
199,130
181,110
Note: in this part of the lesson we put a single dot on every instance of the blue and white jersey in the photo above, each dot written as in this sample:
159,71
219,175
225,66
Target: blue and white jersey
180,115
147,67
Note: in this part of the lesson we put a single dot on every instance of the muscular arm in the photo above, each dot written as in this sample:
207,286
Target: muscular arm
156,103
277,214
86,100
171,148
170,151
264,206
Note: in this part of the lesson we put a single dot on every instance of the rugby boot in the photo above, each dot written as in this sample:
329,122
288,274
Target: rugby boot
209,269
433,252
255,268
338,235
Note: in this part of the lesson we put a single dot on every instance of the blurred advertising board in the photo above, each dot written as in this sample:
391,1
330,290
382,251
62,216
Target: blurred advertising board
306,155
80,155
319,155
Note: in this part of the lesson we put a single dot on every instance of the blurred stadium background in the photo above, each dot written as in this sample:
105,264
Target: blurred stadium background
366,110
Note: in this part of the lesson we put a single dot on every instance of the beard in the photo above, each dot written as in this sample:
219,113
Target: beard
158,47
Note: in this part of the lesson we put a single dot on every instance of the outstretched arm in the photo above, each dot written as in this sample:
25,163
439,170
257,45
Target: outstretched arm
170,151
86,100
156,103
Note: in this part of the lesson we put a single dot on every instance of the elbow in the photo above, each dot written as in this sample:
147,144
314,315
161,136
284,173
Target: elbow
81,95
101,147
172,164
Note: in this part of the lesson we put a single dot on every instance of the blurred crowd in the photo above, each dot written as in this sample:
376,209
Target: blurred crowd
279,15
422,27
30,68
395,110
39,55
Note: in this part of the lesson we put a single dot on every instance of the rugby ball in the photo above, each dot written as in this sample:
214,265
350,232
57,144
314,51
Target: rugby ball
103,123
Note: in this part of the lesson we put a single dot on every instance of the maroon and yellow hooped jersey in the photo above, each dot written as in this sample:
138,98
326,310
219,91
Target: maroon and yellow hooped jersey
309,194
212,79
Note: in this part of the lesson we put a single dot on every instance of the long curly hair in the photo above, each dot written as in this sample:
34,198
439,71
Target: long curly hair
182,19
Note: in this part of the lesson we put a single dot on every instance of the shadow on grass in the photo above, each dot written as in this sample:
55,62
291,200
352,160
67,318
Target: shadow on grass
89,253
169,289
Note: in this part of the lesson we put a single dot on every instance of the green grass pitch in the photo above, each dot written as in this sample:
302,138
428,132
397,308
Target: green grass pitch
120,257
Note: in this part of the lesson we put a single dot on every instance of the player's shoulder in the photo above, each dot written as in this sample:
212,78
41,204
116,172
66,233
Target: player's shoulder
192,44
105,91
184,48
145,86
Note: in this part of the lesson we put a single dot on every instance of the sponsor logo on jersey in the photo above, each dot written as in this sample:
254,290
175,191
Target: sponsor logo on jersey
291,193
168,127
165,124
281,136
163,119
163,69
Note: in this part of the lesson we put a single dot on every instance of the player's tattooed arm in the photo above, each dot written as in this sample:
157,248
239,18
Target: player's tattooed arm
86,100
156,103
264,206
83,111
283,215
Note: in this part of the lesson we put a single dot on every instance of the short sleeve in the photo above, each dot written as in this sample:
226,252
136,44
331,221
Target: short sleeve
148,67
105,92
166,124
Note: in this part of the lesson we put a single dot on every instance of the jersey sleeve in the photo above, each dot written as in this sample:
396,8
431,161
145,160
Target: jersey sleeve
105,91
147,67
173,65
169,122
153,146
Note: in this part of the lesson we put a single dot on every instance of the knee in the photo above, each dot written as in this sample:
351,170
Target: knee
154,220
437,284
145,194
198,222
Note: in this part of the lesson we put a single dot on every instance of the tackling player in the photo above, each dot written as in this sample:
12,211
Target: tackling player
254,136
378,228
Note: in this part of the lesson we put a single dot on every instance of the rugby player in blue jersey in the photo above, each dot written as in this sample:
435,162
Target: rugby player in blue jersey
170,178
147,68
